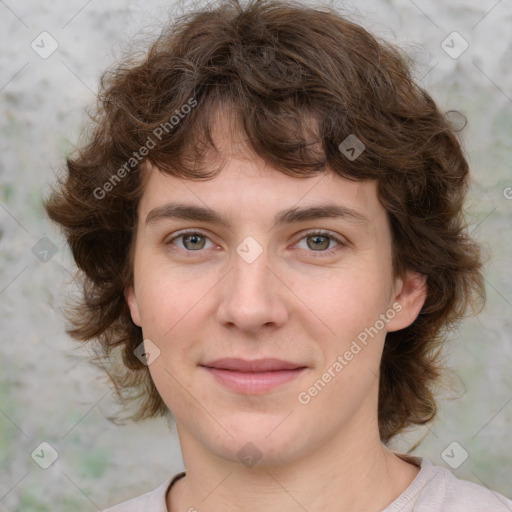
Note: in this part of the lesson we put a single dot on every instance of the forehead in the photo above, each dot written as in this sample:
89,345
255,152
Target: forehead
249,182
246,187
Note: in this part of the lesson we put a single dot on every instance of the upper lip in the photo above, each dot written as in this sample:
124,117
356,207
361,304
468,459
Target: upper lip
254,365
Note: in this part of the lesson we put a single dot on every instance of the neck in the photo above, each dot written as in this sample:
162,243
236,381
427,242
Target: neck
335,477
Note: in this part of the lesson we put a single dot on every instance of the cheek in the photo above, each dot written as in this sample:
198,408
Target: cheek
173,309
170,385
166,298
347,299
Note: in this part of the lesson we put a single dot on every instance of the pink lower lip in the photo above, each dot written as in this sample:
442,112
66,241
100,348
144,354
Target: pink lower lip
254,382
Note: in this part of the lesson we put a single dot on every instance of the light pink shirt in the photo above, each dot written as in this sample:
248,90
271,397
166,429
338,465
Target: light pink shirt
435,489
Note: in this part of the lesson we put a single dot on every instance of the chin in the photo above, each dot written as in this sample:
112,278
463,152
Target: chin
258,443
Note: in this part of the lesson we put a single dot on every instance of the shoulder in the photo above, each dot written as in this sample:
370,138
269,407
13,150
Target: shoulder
436,489
154,500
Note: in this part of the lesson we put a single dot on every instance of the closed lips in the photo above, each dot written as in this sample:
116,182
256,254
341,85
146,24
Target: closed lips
253,366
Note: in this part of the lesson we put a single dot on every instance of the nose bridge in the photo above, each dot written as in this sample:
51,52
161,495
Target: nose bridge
250,296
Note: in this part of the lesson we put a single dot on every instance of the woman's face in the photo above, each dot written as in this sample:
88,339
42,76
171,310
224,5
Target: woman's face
268,298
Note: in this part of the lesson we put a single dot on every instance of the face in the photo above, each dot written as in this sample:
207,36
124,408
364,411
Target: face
269,298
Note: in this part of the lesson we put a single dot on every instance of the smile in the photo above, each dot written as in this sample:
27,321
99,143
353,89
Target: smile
253,377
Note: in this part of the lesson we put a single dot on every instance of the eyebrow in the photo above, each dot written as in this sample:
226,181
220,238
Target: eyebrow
202,214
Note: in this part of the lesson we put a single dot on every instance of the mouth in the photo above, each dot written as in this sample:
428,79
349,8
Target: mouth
253,376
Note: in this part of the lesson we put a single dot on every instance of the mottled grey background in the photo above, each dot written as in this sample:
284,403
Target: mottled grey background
48,394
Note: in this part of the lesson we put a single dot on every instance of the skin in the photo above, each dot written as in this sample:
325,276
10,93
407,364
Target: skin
293,302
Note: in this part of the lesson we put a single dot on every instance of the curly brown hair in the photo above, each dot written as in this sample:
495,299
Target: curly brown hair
301,80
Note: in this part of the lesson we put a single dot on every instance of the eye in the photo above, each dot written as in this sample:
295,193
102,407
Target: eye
190,241
320,241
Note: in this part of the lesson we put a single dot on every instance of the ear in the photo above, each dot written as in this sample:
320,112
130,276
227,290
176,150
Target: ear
131,300
411,292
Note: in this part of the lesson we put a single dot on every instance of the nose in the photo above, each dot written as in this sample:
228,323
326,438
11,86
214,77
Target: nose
252,296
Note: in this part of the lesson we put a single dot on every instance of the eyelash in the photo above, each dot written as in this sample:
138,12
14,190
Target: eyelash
327,252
